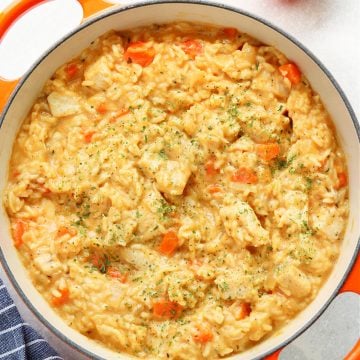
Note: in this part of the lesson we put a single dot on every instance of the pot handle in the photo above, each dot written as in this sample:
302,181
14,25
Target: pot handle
354,354
352,282
7,18
16,10
91,7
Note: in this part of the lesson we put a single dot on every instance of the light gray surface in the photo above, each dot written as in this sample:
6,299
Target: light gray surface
331,337
330,29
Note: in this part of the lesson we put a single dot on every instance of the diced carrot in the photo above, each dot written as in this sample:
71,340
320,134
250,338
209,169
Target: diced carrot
66,230
16,173
291,71
244,311
192,47
119,114
210,168
245,176
18,231
214,188
230,33
62,299
167,309
169,243
88,136
62,231
203,335
116,274
268,151
96,260
101,262
174,215
71,70
139,53
102,109
342,177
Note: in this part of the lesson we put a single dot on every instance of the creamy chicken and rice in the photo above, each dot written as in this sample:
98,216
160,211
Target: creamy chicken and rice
177,191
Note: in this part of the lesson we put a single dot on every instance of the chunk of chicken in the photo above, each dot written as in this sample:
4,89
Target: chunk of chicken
243,144
272,82
328,222
47,262
120,233
150,163
242,225
98,75
294,212
238,61
293,281
172,177
214,314
141,257
63,104
189,231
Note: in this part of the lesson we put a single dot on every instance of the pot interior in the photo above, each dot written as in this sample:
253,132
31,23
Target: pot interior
145,14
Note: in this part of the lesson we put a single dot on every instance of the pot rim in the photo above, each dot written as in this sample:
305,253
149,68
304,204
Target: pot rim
210,3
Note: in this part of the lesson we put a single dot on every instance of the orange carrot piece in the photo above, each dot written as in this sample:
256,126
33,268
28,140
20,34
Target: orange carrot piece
230,33
244,311
102,109
16,173
71,70
291,71
116,274
88,136
167,309
65,230
138,53
343,181
62,299
18,231
97,260
174,215
214,188
268,151
192,47
245,176
169,243
210,168
203,335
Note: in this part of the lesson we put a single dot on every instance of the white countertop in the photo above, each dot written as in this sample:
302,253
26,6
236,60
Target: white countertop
330,29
